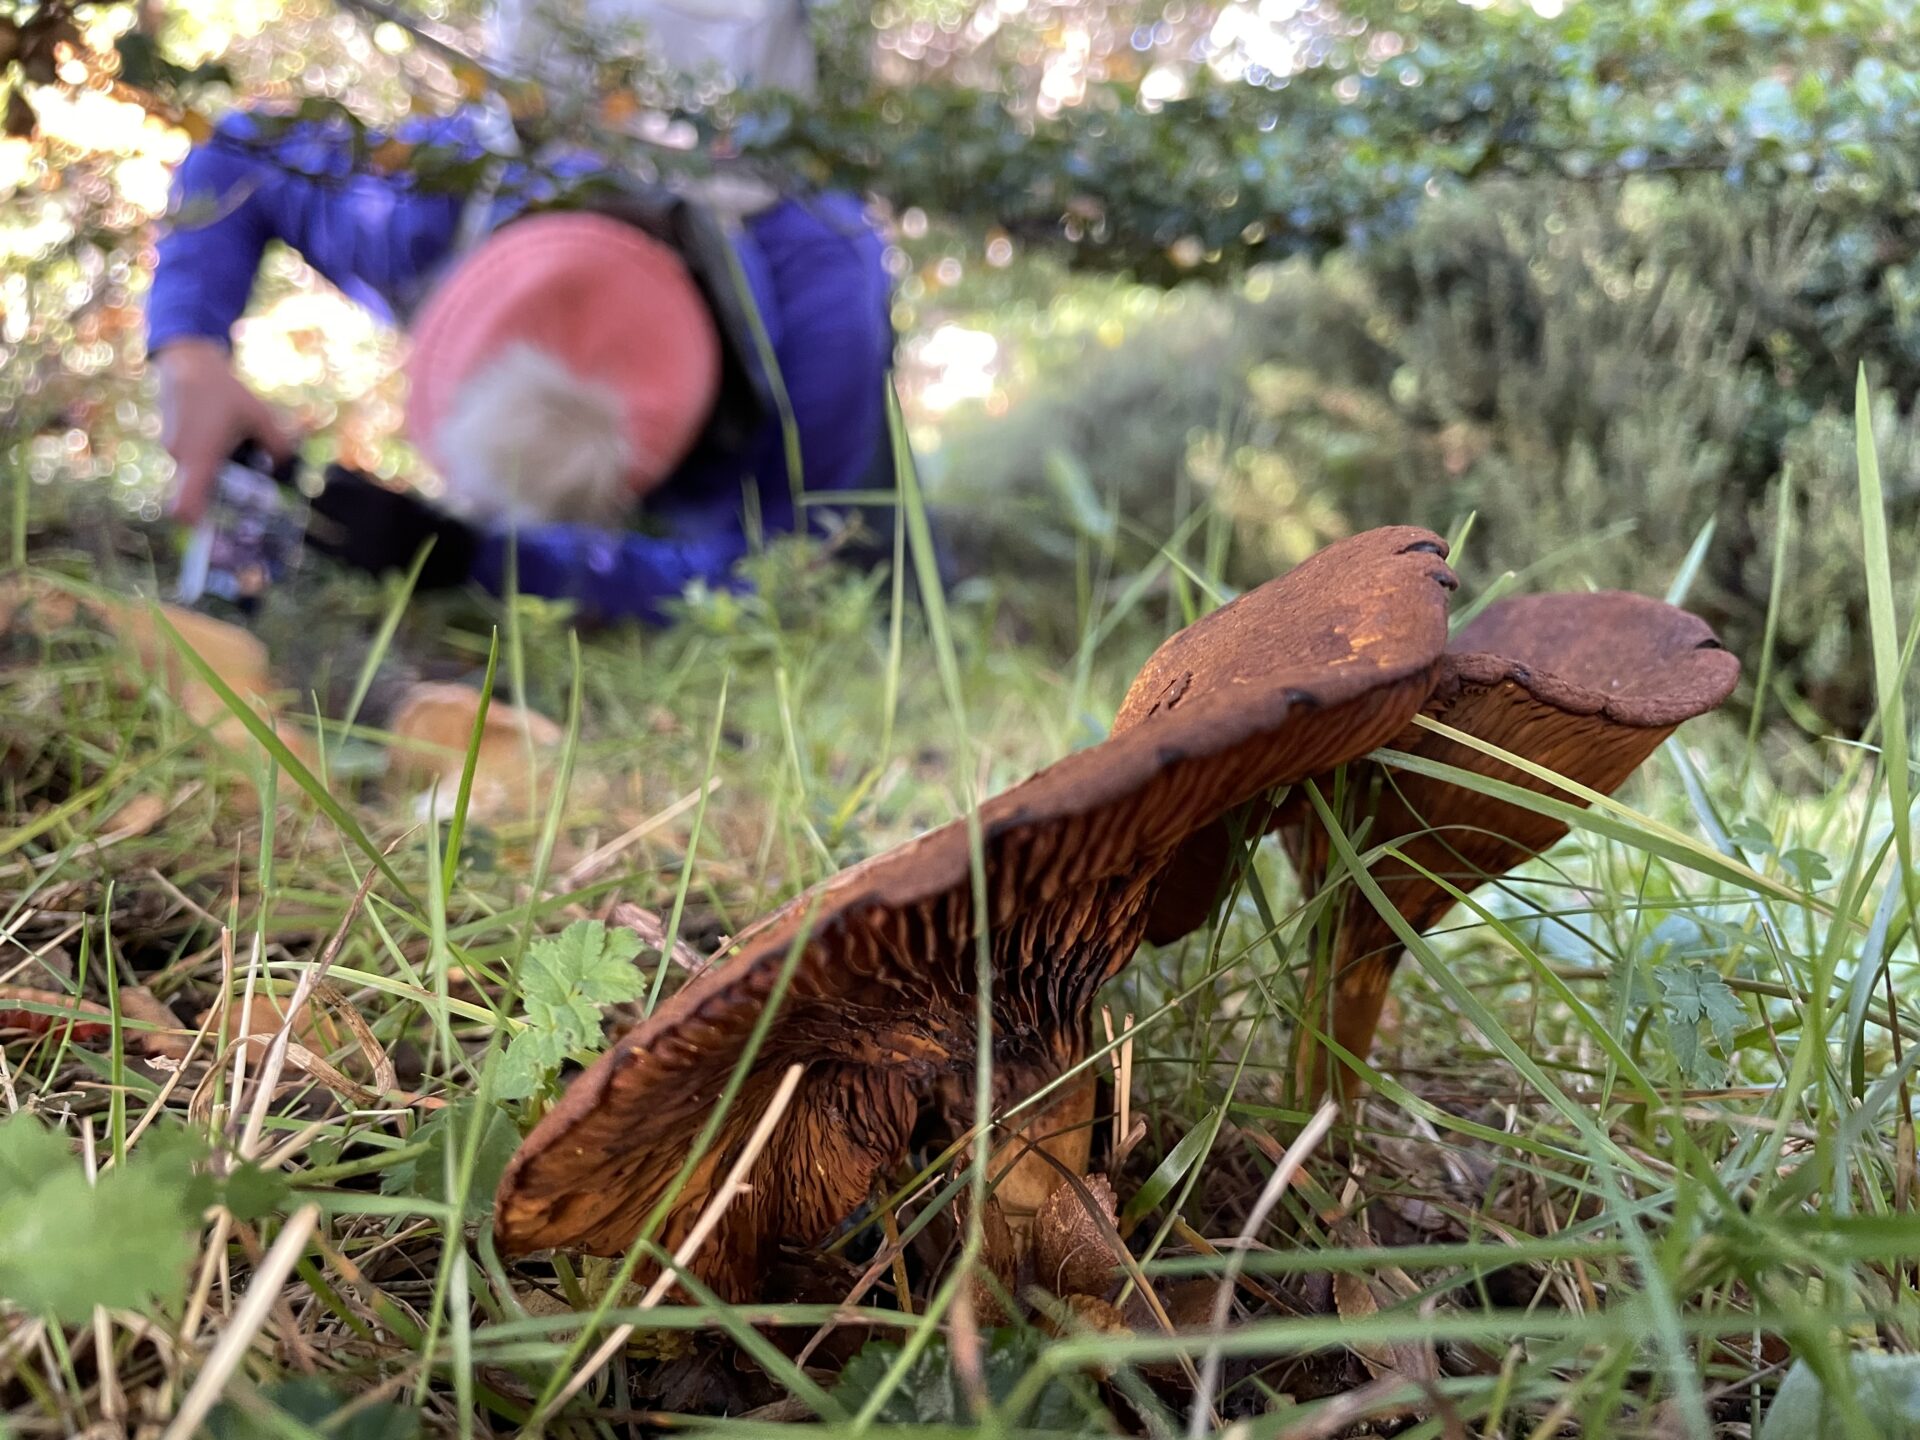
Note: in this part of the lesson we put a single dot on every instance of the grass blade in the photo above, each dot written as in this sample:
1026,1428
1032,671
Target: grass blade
1889,677
282,756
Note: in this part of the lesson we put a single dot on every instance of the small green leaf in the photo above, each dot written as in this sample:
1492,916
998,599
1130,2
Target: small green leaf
1680,993
566,981
931,1393
1807,867
426,1175
586,961
312,1403
30,1154
67,1246
1885,1387
1160,1184
531,1058
1689,995
252,1193
1726,1015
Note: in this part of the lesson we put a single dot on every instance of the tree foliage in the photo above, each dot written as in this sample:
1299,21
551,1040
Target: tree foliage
1388,102
1399,100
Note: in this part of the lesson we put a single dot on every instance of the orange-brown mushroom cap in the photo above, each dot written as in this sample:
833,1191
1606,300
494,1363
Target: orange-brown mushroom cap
1307,672
1583,685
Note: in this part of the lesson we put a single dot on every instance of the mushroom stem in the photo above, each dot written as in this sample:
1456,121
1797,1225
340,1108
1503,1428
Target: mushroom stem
1584,686
1026,1167
1349,1010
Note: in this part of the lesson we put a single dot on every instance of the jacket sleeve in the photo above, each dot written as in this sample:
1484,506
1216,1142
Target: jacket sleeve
835,347
609,575
375,236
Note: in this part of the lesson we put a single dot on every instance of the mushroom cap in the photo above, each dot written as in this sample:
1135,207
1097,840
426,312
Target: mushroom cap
1362,613
1225,654
1309,671
1583,685
1643,663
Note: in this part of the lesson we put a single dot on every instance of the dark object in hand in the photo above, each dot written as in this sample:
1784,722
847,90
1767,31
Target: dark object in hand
249,538
362,523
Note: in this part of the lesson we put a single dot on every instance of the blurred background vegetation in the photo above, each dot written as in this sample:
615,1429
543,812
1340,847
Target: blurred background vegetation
1598,274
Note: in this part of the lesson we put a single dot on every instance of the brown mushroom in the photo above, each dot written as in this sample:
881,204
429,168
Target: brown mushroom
1305,673
1583,685
30,606
432,727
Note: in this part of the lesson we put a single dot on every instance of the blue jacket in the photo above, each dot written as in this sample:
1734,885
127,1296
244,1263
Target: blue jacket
813,266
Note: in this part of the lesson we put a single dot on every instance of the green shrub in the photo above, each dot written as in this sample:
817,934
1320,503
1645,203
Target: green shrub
1596,372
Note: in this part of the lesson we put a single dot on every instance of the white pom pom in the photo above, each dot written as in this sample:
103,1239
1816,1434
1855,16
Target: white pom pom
528,442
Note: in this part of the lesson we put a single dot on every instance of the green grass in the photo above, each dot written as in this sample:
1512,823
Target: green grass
1639,1133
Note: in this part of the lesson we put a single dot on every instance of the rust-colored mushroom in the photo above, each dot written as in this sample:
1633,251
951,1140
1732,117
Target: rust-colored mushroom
1309,671
1583,685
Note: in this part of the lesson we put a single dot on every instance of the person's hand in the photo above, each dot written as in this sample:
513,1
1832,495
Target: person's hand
205,414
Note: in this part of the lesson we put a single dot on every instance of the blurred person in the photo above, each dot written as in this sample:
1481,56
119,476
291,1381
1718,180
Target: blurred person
609,377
